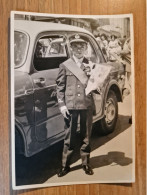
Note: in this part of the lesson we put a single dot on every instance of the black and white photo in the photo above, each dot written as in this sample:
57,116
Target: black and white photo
72,99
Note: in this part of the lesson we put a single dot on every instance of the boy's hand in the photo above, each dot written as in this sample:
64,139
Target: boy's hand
65,113
88,67
87,70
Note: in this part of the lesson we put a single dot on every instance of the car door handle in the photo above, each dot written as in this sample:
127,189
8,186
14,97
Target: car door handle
29,92
40,81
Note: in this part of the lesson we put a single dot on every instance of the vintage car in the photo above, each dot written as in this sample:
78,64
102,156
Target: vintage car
39,49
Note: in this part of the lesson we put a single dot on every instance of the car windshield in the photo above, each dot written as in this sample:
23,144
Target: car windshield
20,48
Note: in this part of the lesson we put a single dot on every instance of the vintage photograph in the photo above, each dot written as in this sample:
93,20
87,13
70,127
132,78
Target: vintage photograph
72,99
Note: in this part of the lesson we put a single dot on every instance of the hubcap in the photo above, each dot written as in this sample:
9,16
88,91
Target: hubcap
109,111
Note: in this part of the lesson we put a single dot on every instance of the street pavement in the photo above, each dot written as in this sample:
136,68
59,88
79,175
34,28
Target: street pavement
111,156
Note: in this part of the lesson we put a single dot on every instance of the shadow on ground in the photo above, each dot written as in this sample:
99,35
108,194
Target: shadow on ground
40,167
114,158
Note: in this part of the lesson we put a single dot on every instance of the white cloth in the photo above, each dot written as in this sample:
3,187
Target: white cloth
98,77
63,108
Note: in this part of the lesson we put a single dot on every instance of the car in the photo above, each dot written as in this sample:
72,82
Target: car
39,49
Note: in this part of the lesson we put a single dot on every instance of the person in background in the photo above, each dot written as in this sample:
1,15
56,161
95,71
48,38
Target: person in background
104,40
104,45
114,47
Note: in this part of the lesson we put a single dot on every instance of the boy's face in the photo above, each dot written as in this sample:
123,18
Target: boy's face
78,49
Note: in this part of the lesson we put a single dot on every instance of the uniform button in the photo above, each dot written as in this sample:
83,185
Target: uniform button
79,95
78,86
70,74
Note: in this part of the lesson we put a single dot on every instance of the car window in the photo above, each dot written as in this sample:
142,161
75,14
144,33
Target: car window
95,53
50,52
90,54
20,48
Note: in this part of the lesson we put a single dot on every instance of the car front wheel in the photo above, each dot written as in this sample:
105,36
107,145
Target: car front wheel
108,122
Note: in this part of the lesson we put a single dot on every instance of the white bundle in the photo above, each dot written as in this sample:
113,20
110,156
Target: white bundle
98,75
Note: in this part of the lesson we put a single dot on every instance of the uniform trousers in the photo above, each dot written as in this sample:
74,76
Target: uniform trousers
70,135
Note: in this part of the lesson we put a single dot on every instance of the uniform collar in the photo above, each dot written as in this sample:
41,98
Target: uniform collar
78,60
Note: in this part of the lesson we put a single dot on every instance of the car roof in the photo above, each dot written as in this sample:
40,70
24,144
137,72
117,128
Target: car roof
38,27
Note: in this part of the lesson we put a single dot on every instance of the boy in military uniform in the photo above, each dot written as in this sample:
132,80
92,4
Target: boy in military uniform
73,102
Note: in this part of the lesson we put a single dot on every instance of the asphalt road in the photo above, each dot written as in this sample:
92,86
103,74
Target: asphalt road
111,158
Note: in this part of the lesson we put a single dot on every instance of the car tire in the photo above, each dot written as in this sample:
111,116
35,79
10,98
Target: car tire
108,122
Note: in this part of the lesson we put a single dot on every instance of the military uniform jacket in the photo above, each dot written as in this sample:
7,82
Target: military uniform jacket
70,90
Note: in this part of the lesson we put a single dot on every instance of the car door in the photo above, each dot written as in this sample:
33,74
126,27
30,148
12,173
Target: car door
50,52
